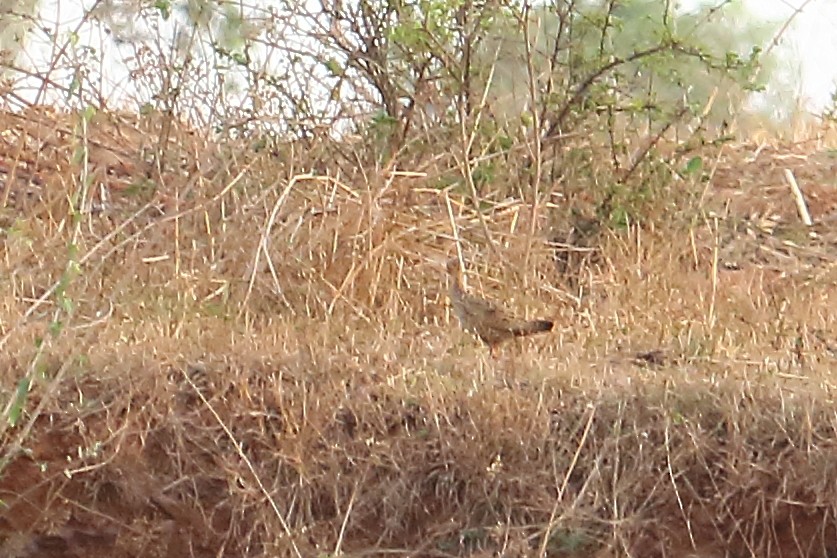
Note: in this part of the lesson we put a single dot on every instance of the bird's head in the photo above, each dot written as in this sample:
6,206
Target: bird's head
453,265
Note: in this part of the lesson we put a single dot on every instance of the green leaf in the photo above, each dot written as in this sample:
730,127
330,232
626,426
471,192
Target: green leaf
239,57
88,113
164,7
19,400
334,67
619,218
75,85
694,165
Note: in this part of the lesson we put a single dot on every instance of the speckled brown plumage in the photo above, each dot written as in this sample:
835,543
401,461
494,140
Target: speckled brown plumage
483,318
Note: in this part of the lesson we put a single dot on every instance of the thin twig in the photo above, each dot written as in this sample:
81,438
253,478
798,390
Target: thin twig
801,206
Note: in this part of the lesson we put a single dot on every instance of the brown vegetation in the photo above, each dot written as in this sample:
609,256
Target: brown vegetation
250,361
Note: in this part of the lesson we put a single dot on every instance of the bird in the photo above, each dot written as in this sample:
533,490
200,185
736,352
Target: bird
483,318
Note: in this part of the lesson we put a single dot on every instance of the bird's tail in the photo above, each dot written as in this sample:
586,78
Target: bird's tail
534,326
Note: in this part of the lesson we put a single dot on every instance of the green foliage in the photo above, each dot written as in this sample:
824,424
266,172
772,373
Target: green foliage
443,76
164,7
378,131
655,58
18,402
693,166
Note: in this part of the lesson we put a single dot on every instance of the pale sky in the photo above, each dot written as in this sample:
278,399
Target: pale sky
809,46
812,41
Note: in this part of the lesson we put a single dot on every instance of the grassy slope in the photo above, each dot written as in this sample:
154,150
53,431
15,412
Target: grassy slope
270,368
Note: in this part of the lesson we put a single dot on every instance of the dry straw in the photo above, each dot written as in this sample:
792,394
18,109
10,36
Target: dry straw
339,409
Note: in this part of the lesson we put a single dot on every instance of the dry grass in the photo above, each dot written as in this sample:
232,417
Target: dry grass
255,361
